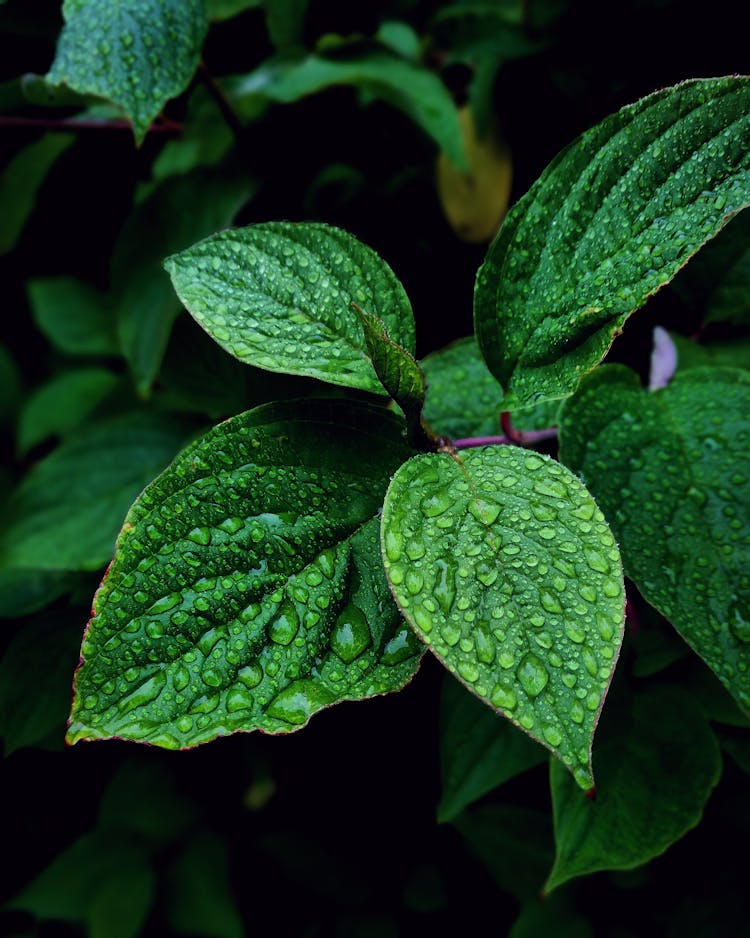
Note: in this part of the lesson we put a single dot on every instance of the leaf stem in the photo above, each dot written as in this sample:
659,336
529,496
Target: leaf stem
67,124
221,100
529,437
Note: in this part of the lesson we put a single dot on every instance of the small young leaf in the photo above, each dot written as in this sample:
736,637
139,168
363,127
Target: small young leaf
656,764
247,590
20,182
66,513
609,222
280,295
670,470
74,316
136,53
505,567
478,750
62,404
396,368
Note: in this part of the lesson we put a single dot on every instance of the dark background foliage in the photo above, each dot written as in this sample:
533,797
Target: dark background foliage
332,831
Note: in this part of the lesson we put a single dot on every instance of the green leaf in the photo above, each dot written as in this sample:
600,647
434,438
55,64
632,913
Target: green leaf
413,89
464,399
396,369
505,567
135,53
670,470
204,141
227,9
555,915
247,590
400,38
73,315
279,296
514,843
478,750
20,182
145,302
285,21
63,403
199,896
23,590
66,513
718,280
610,221
690,354
35,681
121,905
656,764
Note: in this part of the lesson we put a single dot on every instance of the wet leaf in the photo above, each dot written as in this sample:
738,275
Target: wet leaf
247,590
478,750
610,221
505,567
280,295
735,354
670,470
656,765
136,53
66,512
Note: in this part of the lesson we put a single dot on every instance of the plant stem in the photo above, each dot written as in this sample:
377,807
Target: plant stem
227,111
68,124
531,436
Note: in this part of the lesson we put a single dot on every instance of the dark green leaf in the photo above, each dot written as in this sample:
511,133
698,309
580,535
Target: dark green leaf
464,398
280,295
20,182
226,9
62,404
717,282
285,21
738,748
120,906
66,513
23,590
204,141
74,316
199,896
556,916
35,681
10,385
247,590
396,368
478,750
514,843
503,564
609,222
419,93
656,765
136,53
670,470
734,354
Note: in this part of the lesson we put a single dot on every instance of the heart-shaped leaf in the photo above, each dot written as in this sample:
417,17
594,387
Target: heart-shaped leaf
610,221
247,590
280,296
505,567
670,470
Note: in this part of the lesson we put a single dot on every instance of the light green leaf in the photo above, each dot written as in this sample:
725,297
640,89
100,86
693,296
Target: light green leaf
396,369
464,399
413,89
61,404
145,303
280,295
74,316
35,681
656,765
717,282
505,567
670,470
610,221
66,512
400,38
478,750
247,590
514,843
690,354
20,182
199,895
135,53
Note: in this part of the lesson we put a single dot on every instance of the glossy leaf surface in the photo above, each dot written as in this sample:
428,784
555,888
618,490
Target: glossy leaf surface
396,369
66,513
247,590
503,564
610,221
670,470
478,750
279,296
136,53
656,764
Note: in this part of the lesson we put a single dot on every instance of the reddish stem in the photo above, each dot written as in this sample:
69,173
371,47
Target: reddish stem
67,124
531,436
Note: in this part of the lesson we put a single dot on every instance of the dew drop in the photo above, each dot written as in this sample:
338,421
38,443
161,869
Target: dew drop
468,671
532,674
503,697
239,698
285,625
297,702
351,634
550,602
444,589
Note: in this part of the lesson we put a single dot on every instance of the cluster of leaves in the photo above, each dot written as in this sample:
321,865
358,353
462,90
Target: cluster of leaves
309,550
